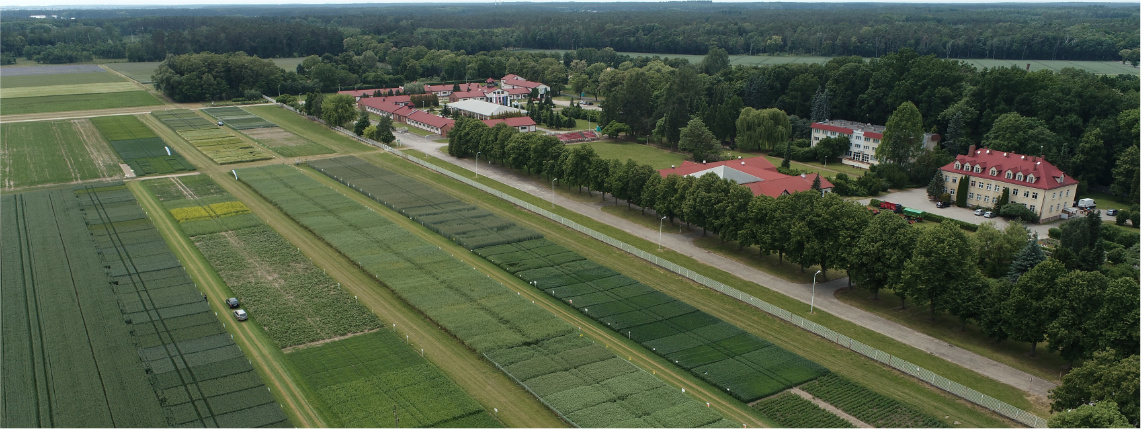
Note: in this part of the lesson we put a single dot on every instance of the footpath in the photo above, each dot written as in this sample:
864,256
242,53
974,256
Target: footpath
825,295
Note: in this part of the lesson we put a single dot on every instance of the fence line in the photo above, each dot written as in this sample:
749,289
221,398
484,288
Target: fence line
967,393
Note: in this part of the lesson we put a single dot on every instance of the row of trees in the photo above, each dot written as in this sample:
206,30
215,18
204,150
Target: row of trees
961,31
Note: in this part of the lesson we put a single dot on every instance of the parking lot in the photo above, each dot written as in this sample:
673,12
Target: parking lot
917,199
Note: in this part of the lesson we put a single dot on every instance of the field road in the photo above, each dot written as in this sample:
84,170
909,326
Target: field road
683,244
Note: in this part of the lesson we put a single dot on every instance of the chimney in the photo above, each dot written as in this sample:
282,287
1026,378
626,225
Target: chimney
971,150
801,175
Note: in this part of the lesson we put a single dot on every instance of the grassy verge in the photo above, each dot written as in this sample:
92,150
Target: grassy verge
851,365
65,103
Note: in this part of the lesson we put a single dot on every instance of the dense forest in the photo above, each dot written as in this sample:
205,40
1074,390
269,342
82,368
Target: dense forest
1042,31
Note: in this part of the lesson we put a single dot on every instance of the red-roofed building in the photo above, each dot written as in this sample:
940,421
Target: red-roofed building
863,140
1033,181
757,174
446,89
514,81
523,123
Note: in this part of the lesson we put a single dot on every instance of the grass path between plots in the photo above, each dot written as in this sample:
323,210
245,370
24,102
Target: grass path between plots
637,354
257,346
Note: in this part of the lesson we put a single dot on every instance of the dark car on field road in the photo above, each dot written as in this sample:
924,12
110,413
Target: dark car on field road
233,302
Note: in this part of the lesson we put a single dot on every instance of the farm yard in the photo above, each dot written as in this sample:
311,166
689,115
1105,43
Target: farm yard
214,142
266,133
139,147
66,88
169,364
36,153
480,312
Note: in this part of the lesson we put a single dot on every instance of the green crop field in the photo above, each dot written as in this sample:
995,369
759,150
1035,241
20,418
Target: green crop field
266,133
43,80
868,406
790,410
1097,67
375,380
140,72
37,153
480,312
120,336
65,103
216,143
139,146
75,89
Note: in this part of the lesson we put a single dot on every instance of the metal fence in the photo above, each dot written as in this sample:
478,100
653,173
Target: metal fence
902,365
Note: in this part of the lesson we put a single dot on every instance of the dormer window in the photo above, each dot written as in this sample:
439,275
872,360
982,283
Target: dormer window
967,166
1019,177
978,169
993,171
958,166
1030,178
1009,174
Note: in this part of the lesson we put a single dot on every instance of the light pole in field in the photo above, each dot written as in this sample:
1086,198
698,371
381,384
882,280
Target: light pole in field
553,191
477,164
660,223
812,301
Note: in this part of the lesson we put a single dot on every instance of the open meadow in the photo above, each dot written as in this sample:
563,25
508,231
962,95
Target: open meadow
36,153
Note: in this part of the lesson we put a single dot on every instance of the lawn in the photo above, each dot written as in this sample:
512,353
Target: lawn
1107,201
65,103
850,365
642,153
37,153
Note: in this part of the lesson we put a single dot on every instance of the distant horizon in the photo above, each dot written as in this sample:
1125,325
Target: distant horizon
149,4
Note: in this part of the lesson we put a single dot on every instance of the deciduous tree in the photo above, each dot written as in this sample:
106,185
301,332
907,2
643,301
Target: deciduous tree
902,136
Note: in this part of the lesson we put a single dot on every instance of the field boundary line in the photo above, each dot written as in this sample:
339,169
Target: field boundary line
947,385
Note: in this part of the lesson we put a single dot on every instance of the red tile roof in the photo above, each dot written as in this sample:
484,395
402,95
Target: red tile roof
522,121
771,183
1046,175
376,102
448,87
430,119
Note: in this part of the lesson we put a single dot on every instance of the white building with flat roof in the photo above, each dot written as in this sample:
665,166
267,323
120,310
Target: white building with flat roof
482,109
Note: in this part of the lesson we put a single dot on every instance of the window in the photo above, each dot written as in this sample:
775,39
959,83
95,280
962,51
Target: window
958,166
1030,178
1053,195
978,169
946,179
972,183
1014,193
988,186
971,195
1067,192
986,199
1019,177
1034,196
993,171
1032,208
1051,210
980,185
1026,194
952,192
954,179
1009,174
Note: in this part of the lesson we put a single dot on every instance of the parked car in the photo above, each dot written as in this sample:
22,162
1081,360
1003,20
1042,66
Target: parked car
589,103
979,212
241,315
941,204
988,214
220,123
233,302
1111,212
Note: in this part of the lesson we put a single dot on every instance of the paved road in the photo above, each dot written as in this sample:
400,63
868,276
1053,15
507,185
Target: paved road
826,300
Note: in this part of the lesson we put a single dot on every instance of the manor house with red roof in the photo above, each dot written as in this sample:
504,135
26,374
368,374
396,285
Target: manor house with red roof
1033,181
756,173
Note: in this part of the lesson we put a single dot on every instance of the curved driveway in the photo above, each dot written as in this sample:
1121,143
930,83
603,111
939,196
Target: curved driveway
683,244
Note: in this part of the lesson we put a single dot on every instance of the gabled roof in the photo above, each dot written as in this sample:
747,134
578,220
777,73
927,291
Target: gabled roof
376,102
469,94
430,119
448,87
756,173
1046,175
522,121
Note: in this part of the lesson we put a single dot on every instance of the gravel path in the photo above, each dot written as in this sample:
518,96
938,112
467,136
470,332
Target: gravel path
826,300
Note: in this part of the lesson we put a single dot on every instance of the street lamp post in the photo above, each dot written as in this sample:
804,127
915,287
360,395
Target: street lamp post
553,191
812,301
477,164
660,223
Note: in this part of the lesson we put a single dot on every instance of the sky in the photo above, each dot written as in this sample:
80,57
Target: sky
152,3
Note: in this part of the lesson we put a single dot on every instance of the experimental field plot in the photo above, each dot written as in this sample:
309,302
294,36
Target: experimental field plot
268,134
300,308
212,140
139,147
745,366
36,153
63,88
790,410
520,337
120,336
